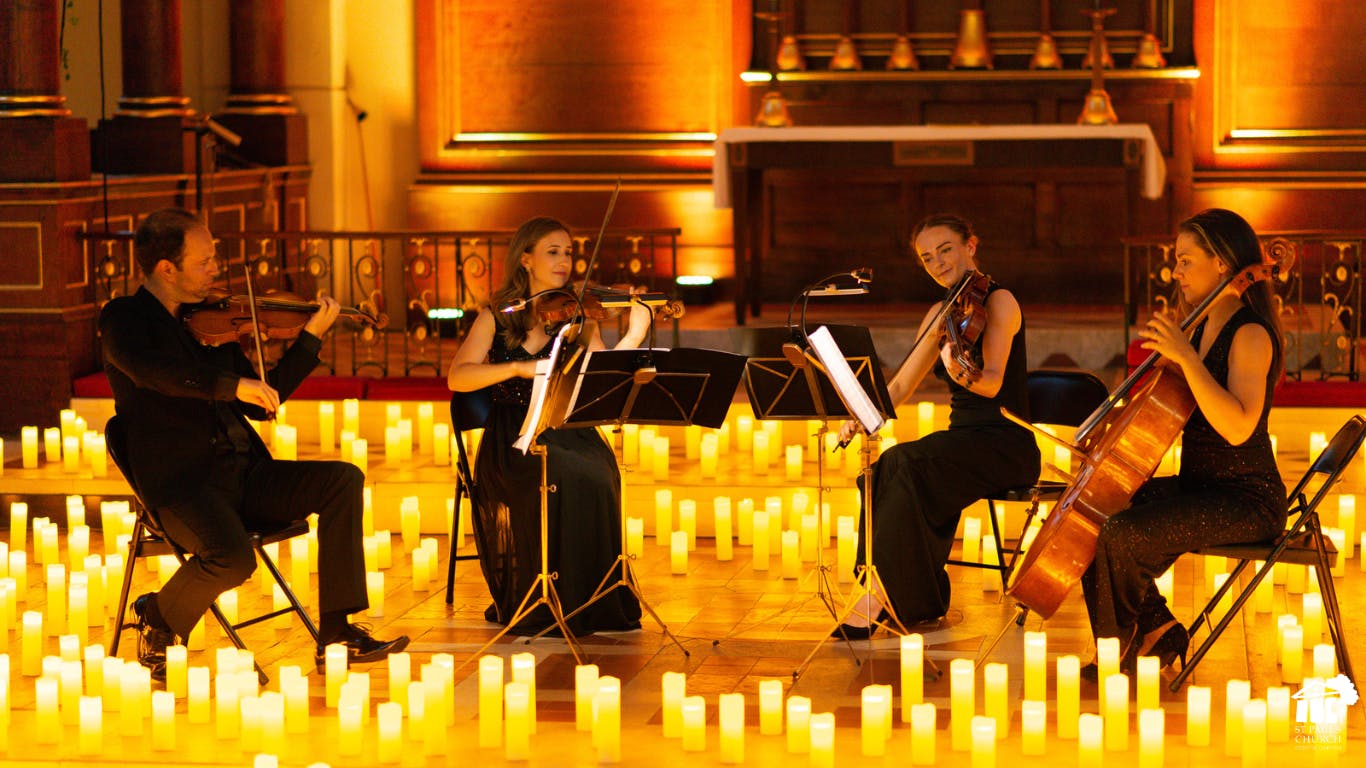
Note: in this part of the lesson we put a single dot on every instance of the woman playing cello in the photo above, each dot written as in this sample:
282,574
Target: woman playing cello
1228,489
920,488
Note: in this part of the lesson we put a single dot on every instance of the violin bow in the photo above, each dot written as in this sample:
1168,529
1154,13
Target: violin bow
592,262
255,326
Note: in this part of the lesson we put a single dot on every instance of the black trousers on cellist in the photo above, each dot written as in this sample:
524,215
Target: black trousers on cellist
244,493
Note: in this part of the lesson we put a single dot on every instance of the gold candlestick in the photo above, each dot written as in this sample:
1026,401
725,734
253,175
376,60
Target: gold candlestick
971,50
1097,109
903,53
846,53
772,106
1149,55
1046,54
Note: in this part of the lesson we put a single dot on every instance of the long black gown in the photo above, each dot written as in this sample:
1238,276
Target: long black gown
584,514
920,488
1223,494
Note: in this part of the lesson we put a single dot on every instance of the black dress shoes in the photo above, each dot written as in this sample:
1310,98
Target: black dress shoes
152,641
854,632
361,646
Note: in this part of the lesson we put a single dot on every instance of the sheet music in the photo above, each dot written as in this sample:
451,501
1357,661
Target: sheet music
846,383
540,392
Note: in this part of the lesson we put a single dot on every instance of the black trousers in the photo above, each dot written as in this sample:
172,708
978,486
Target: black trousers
244,494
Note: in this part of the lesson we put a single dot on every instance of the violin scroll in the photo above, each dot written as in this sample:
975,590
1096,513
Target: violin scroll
966,320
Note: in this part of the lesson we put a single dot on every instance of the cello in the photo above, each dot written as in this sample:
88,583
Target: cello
1119,447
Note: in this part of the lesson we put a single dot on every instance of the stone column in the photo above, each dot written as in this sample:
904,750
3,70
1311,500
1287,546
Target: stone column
41,140
152,129
259,110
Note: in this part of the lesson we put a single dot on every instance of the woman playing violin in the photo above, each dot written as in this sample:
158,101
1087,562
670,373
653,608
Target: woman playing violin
920,488
501,352
1228,489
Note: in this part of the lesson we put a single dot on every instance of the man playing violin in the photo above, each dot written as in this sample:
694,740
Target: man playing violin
920,488
201,467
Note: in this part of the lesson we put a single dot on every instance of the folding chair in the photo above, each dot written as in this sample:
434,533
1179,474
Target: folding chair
1058,397
1302,543
149,539
469,410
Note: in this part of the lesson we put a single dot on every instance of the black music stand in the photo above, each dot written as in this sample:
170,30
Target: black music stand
783,384
675,387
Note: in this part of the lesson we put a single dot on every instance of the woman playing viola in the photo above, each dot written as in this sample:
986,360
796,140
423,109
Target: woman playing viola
1228,489
920,488
584,527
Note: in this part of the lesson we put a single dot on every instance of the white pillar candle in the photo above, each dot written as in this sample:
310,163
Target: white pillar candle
1148,683
762,538
846,548
991,580
28,438
71,455
1347,521
50,553
1151,736
346,444
678,553
983,742
1033,727
660,465
524,671
1107,657
996,702
1035,666
31,644
52,445
585,688
692,442
770,707
630,444
694,716
1340,543
1311,617
350,713
47,714
831,453
607,720
721,524
635,537
422,570
798,725
18,526
135,699
793,461
77,610
873,721
1090,739
1068,695
1197,716
687,521
286,442
327,427
1253,740
98,453
1325,661
374,592
912,673
761,453
389,715
924,411
441,444
1277,714
708,462
1317,442
490,701
360,454
424,428
647,449
197,699
91,729
745,522
792,560
664,516
1292,654
731,723
1116,712
517,721
69,690
823,740
962,704
923,734
744,433
673,690
294,690
972,538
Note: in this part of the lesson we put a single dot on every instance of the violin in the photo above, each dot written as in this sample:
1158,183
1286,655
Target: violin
966,320
603,303
280,316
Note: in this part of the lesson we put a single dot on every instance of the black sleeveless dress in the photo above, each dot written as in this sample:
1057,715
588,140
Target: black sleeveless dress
920,488
1223,494
584,514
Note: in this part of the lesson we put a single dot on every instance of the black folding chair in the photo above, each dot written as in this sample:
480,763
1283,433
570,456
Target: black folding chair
1056,397
469,410
149,540
1302,543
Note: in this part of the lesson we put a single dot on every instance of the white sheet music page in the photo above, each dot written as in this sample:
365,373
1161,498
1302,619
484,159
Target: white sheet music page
540,390
846,383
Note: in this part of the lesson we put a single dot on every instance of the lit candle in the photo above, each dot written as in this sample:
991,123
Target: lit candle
635,537
585,688
1325,661
744,433
996,704
708,461
28,438
71,455
422,569
1107,656
1116,712
607,720
991,580
846,548
1197,716
1340,543
731,720
1069,695
694,715
31,653
873,721
972,538
97,452
524,672
1347,521
647,449
924,417
912,673
664,515
1033,727
294,690
490,701
674,689
984,742
1036,666
348,439
692,442
69,691
962,704
1090,737
792,560
197,701
52,445
761,459
286,442
91,734
831,454
770,707
793,456
1253,741
327,427
630,444
135,698
799,725
1292,654
1312,617
18,526
424,428
390,717
687,521
661,460
678,553
1277,714
374,592
923,734
1148,682
360,454
745,522
47,720
517,718
410,521
721,524
393,412
1151,733
761,537
823,740
1317,442
350,713
441,444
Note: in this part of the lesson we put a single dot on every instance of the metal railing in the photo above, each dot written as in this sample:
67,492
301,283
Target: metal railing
424,285
1319,297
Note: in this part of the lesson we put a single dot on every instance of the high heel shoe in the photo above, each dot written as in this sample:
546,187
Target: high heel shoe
1173,644
854,632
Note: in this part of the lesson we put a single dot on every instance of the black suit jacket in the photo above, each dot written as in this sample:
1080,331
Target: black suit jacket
166,385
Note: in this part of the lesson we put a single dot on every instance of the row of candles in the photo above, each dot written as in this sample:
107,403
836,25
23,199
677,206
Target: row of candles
79,687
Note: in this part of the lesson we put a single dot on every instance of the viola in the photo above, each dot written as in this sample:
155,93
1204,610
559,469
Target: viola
1119,447
280,316
966,320
604,303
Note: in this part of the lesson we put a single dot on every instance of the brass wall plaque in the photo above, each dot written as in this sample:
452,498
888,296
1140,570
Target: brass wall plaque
932,153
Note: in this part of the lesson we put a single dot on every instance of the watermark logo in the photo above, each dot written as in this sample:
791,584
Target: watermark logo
1321,711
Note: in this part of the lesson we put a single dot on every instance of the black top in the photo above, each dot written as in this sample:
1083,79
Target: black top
967,408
